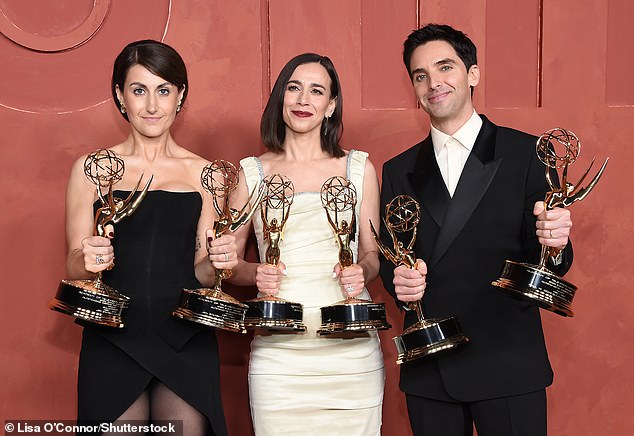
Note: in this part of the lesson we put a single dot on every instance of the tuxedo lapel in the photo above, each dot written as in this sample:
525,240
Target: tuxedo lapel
475,179
427,183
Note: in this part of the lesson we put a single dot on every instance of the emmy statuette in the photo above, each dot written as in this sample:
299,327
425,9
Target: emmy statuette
211,306
536,283
270,312
93,300
352,315
426,336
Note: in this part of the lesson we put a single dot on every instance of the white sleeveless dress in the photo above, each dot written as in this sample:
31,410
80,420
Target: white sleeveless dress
306,384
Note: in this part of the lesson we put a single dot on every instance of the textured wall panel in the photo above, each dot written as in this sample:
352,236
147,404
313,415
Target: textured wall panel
226,47
620,61
513,47
327,27
56,59
384,27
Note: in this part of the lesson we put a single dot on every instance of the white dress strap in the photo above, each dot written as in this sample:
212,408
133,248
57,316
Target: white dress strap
253,173
354,172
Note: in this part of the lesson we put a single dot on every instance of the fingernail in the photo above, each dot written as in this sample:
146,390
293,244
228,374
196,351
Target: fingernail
284,273
334,275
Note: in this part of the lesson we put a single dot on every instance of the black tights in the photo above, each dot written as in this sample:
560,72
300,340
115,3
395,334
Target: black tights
160,403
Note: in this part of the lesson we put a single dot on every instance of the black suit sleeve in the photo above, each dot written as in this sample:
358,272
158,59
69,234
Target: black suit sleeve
386,269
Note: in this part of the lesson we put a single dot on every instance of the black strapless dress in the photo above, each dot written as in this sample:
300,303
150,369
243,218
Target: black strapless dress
154,261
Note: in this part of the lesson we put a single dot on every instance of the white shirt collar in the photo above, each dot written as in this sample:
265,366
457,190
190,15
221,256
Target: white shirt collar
466,134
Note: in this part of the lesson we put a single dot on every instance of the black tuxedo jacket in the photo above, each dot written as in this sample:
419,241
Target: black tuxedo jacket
465,240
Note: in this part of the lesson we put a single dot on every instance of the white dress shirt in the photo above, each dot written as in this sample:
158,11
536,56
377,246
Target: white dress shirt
452,151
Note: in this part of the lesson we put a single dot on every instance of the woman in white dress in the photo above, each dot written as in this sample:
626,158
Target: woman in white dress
305,383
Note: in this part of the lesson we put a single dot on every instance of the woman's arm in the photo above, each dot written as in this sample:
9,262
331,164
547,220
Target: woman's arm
84,249
244,272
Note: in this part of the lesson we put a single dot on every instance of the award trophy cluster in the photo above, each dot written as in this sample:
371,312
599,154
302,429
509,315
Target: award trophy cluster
211,306
426,336
557,149
270,312
352,315
93,300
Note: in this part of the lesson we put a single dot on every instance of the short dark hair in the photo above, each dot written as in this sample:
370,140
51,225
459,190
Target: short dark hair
464,47
159,58
272,126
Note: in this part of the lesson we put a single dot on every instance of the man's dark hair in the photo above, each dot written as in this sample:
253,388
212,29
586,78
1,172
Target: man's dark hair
464,47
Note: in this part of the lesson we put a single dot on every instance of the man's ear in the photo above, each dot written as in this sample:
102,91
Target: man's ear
473,75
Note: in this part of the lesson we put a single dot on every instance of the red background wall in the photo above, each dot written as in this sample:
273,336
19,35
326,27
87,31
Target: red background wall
545,63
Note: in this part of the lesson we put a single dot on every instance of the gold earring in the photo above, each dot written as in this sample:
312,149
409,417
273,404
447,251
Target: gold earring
122,107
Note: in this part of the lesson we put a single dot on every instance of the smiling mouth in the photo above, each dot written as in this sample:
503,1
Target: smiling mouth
437,97
302,114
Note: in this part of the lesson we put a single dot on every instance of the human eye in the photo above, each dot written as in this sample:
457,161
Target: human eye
138,91
164,91
317,91
446,67
420,77
292,87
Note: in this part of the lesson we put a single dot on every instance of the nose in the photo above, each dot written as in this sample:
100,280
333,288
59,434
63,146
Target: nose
302,98
434,82
151,104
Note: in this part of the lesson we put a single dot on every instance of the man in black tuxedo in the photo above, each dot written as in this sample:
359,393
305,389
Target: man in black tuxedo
481,189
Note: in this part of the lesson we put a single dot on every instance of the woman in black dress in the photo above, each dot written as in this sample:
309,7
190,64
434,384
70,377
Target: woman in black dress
157,367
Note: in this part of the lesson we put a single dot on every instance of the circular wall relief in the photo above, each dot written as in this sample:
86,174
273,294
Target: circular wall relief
57,56
42,39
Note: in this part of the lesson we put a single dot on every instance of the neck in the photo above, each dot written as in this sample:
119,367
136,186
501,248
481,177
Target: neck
303,147
150,149
451,125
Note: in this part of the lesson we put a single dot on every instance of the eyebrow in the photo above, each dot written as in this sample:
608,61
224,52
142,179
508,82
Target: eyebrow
440,62
164,84
312,85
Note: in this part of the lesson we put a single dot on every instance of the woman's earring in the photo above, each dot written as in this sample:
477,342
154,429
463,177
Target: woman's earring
122,107
178,107
325,123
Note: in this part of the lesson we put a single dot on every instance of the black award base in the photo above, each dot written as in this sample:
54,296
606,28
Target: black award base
537,285
274,314
428,336
212,308
352,316
91,301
